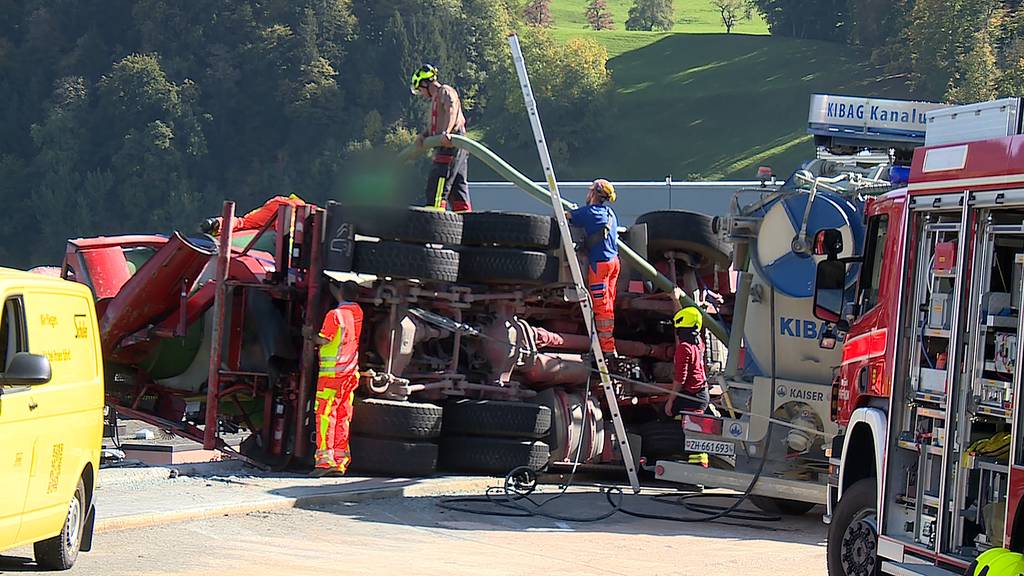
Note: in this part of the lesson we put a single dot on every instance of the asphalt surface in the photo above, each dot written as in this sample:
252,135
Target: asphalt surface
415,536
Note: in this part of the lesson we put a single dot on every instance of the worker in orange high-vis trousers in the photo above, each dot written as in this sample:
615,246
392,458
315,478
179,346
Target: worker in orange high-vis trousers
600,226
255,219
335,387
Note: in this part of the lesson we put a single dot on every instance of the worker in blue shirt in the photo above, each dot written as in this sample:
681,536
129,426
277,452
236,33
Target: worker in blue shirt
600,227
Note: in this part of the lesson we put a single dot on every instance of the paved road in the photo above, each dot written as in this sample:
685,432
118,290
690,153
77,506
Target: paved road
414,536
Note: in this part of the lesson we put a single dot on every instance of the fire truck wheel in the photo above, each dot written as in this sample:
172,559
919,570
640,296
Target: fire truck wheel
408,261
491,455
506,266
416,225
682,231
853,533
781,506
396,420
496,419
392,457
509,229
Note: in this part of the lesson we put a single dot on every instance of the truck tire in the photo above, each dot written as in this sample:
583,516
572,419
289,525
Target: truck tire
61,551
509,229
415,225
507,266
661,440
686,232
496,419
853,534
781,506
495,456
392,457
406,261
396,420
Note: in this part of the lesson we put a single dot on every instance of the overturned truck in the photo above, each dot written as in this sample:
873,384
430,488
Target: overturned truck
474,353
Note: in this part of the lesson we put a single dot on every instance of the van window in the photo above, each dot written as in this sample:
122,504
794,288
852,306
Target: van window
12,330
871,273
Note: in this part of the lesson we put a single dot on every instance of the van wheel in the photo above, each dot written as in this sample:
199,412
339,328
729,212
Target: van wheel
853,533
61,551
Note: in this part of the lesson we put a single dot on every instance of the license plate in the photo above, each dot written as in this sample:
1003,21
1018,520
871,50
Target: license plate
711,447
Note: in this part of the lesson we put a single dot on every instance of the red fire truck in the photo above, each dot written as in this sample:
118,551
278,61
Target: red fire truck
928,471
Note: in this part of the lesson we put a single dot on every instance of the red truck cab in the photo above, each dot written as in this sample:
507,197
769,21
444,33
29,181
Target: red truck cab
929,470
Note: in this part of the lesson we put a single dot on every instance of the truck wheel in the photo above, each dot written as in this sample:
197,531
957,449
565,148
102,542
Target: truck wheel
392,457
853,533
781,506
397,420
686,232
408,261
509,229
506,266
416,225
496,419
61,551
491,455
661,440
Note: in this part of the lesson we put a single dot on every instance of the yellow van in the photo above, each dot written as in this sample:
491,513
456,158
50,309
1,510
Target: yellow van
51,416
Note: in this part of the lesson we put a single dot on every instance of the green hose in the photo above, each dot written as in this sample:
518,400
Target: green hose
506,171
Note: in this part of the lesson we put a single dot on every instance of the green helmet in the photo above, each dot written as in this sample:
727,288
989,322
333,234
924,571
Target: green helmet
426,73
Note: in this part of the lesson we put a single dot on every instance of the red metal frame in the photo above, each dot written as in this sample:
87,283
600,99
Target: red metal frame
210,431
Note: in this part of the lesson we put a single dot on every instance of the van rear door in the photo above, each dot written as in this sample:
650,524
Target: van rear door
17,428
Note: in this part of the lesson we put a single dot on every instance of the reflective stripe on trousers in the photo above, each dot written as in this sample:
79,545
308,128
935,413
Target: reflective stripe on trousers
334,398
602,280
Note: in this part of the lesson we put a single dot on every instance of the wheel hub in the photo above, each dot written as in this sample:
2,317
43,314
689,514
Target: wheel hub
74,524
859,546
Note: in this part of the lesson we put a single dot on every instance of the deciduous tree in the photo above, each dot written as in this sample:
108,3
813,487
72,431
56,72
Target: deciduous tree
651,15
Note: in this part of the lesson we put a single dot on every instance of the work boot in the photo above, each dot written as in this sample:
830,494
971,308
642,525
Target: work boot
321,472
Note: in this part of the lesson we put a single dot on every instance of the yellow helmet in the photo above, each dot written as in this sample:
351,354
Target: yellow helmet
689,317
994,562
426,73
605,189
1009,564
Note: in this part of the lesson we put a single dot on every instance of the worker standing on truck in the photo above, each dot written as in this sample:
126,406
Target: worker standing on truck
255,219
335,387
689,376
600,226
448,171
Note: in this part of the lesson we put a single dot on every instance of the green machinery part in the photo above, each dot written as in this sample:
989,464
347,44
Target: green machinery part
496,163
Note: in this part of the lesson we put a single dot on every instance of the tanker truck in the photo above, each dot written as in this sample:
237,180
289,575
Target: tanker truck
777,397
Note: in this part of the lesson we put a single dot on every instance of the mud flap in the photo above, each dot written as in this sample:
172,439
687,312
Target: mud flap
88,527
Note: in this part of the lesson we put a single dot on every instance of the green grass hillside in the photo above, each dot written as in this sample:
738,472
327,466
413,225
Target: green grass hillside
700,102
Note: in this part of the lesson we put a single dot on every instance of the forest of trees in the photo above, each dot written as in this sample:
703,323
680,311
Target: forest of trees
143,115
957,50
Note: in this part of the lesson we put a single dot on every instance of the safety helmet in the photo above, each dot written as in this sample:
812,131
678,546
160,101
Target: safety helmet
689,317
426,73
604,189
1005,564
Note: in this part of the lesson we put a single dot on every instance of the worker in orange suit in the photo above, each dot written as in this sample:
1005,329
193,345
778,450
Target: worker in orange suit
600,226
256,219
335,387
